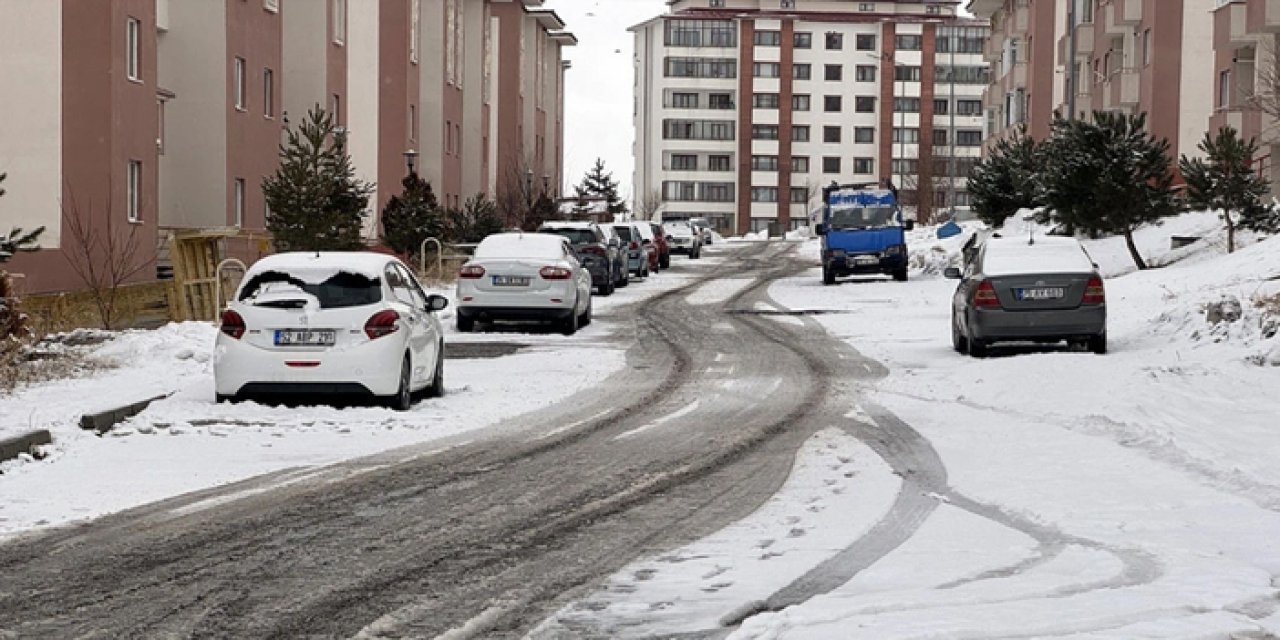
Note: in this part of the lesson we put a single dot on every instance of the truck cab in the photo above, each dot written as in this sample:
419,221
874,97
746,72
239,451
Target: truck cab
862,232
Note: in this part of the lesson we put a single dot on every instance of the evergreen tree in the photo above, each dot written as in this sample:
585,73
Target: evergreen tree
600,184
477,218
1005,181
412,217
16,240
1225,181
1108,176
315,201
543,209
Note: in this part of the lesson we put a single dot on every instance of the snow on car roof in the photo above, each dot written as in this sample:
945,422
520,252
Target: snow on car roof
1048,254
521,245
315,267
567,224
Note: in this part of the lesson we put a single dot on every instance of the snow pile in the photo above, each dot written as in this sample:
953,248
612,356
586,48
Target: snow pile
929,255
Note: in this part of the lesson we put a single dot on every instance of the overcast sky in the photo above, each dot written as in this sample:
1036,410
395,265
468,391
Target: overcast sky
598,90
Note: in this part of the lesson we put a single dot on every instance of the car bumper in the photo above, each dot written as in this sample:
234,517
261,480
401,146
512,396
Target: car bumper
369,368
599,269
485,314
1061,324
847,265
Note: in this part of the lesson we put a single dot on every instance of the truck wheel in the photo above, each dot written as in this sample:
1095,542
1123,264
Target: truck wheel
900,274
828,276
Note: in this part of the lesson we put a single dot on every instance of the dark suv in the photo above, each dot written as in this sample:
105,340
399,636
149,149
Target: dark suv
600,254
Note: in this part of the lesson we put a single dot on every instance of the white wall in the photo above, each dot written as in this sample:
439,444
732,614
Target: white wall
363,45
1198,77
31,119
475,18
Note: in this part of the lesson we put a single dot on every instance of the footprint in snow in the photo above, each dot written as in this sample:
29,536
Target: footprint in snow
645,574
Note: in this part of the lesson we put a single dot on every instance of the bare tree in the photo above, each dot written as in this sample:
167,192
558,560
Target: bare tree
518,192
649,204
919,189
1265,94
104,257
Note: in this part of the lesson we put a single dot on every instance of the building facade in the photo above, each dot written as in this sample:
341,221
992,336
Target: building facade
1246,40
1027,42
745,109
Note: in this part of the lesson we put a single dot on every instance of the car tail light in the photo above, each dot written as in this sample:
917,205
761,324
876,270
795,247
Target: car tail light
471,272
1095,292
383,323
555,273
985,296
634,246
232,324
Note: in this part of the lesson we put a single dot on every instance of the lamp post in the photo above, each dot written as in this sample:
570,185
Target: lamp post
411,161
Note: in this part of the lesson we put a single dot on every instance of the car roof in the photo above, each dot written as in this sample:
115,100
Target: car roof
365,263
568,224
522,245
1043,254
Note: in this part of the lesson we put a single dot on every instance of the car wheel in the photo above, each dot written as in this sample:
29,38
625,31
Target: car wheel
403,398
569,326
958,341
465,324
1098,343
625,279
900,274
586,316
828,276
436,389
978,348
606,289
666,262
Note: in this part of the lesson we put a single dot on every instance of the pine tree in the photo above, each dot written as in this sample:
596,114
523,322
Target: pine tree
543,209
1225,181
600,184
1005,181
12,320
1108,176
412,217
315,201
16,240
477,218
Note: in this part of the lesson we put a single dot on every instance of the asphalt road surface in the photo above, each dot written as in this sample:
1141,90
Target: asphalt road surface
487,534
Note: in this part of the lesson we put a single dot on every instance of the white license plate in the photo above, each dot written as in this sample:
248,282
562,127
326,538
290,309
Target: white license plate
510,281
866,260
306,337
1045,293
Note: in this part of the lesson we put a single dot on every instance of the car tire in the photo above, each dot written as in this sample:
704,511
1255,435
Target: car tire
585,319
465,324
606,289
665,263
403,398
696,254
828,276
569,325
625,279
436,388
978,348
958,341
900,274
1098,344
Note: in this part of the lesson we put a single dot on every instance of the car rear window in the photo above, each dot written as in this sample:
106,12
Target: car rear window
576,236
340,290
624,233
1013,258
516,245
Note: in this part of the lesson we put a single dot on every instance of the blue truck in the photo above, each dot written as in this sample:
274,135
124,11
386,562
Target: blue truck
862,232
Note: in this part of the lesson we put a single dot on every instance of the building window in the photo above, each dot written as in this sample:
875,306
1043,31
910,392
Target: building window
835,41
764,194
833,72
719,163
684,162
863,166
764,132
133,44
800,133
335,108
940,137
674,129
799,164
802,40
720,101
415,12
866,42
968,107
268,93
1146,47
906,105
906,73
339,19
684,101
866,6
766,69
933,8
701,33
716,191
764,101
865,73
413,126
133,191
768,39
799,195
764,163
831,164
160,125
1224,89
909,42
239,202
864,104
907,135
831,135
864,135
941,107
679,191
832,104
968,138
717,3
908,166
800,102
676,67
801,71
240,88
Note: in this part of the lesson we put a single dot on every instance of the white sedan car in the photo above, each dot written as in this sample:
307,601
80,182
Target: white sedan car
330,323
524,276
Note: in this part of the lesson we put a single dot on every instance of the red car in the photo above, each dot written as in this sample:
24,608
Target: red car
663,243
650,241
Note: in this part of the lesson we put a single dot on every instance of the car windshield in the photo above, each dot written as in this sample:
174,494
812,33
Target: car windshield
576,236
862,217
342,289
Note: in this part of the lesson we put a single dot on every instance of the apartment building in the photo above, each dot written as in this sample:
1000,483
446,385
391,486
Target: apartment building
1027,42
746,108
1246,40
78,130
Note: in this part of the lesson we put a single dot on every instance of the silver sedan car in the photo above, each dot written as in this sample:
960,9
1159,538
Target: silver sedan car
1042,290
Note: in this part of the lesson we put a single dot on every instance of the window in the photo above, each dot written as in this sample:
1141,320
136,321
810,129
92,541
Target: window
799,164
831,134
720,101
940,137
802,71
766,69
719,163
238,204
866,6
133,44
941,107
701,33
415,11
864,135
908,166
799,195
716,191
335,107
764,163
800,102
802,40
768,39
268,93
866,42
866,73
833,72
764,101
764,132
684,162
800,133
684,100
907,135
968,107
413,125
676,67
679,191
339,20
909,42
864,104
160,105
835,41
830,164
133,191
906,105
906,73
674,129
764,194
962,74
832,104
717,3
239,83
933,8
968,138
1224,89
1146,47
864,165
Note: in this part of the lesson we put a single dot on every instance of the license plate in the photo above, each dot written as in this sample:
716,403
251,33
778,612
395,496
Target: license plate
866,260
510,281
306,337
1045,293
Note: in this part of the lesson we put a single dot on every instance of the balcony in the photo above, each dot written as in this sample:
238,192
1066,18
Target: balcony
1121,16
1236,17
1021,16
1125,86
1084,42
1263,16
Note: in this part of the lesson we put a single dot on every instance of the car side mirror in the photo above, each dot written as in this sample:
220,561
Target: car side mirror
951,273
909,225
820,229
436,303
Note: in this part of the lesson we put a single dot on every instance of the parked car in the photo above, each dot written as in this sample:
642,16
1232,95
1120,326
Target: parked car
684,239
524,276
600,255
1046,290
664,246
704,226
650,244
320,324
623,277
637,254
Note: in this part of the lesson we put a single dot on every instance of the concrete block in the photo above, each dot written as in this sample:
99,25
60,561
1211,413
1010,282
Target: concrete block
11,448
105,421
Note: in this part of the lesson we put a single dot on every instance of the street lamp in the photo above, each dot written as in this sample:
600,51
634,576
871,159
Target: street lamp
411,161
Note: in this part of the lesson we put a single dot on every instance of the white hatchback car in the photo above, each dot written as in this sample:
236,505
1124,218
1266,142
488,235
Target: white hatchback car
524,276
330,323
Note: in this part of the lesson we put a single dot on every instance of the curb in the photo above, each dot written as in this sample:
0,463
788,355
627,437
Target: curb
105,421
13,447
